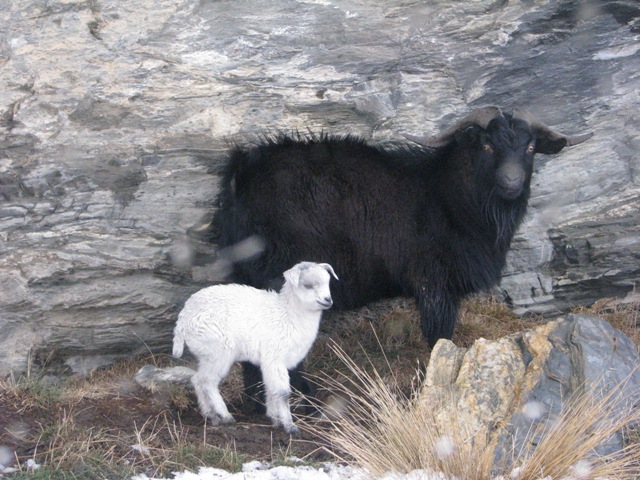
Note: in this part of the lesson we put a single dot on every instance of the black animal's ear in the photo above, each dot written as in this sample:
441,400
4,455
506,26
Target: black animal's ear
547,140
550,145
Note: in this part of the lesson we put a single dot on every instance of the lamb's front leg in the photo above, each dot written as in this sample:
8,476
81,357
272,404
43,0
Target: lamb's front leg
277,389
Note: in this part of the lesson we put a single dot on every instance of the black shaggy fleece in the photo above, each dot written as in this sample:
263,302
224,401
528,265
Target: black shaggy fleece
400,220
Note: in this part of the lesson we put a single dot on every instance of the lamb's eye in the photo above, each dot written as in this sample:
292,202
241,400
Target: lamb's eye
531,148
308,286
487,148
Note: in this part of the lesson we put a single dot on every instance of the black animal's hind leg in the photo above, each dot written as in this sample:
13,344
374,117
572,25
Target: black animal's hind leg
254,388
300,384
438,312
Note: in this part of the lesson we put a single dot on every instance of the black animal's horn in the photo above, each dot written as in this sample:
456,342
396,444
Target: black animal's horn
481,117
551,141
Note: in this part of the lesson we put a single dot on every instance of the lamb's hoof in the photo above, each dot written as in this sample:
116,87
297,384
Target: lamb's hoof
215,420
292,430
228,421
212,420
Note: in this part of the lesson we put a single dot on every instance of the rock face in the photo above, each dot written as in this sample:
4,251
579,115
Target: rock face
115,117
503,390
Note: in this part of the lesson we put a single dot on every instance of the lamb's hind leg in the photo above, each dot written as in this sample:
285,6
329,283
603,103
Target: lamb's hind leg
206,382
277,389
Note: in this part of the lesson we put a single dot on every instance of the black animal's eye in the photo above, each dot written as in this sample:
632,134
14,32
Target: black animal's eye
487,148
531,148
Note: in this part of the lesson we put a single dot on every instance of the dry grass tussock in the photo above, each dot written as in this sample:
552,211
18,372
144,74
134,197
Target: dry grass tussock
384,431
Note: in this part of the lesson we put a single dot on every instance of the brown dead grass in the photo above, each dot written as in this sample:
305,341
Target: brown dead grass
383,430
486,317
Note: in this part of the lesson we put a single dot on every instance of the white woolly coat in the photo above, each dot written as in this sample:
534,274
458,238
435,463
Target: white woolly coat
251,325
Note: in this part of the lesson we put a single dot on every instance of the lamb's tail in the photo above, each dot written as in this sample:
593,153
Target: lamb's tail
178,343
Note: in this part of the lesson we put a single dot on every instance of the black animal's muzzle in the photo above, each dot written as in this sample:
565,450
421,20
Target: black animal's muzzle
510,180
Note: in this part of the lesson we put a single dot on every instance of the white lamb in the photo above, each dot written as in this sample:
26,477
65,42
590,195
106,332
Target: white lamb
224,324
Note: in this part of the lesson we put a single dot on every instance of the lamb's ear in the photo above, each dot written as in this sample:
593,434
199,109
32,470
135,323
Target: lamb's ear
329,269
293,275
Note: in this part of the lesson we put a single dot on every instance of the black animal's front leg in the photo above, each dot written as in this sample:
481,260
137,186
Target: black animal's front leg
438,311
254,388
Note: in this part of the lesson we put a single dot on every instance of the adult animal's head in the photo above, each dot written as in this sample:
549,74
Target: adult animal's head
499,149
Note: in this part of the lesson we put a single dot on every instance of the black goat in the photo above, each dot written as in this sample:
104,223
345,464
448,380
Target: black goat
433,221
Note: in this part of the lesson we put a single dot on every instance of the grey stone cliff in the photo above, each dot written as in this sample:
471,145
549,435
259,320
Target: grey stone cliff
114,117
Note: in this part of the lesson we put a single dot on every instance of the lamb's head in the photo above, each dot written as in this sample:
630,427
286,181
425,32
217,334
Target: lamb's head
310,283
499,148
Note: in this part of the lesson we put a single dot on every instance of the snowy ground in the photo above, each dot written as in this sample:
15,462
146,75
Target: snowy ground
263,471
329,471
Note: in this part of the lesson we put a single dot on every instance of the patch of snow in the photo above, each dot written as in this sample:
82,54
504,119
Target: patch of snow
255,466
581,470
533,410
444,447
29,466
263,471
6,457
140,448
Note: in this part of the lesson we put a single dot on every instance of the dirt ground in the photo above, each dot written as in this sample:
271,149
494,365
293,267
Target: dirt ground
141,411
112,404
